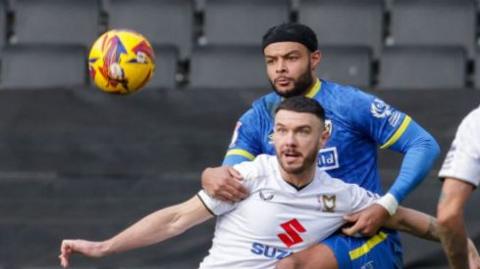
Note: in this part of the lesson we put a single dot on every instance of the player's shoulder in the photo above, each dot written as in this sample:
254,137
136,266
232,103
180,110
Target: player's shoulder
473,117
258,169
348,104
261,107
267,102
340,96
338,90
470,125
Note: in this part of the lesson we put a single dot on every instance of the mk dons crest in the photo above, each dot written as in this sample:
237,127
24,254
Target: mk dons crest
328,202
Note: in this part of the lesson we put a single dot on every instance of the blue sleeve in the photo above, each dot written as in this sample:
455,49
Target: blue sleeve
246,139
395,130
376,119
420,151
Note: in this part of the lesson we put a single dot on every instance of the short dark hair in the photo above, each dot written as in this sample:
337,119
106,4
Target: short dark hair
294,32
302,104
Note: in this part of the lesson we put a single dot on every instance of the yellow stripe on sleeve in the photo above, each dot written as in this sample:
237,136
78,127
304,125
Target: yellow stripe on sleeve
240,152
365,248
398,133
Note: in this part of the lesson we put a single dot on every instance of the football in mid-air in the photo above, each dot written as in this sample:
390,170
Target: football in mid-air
121,62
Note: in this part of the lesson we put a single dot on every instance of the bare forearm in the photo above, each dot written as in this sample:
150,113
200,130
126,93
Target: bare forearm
157,227
154,228
416,223
451,234
450,215
454,240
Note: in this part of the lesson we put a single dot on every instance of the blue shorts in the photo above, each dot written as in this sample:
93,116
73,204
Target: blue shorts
381,251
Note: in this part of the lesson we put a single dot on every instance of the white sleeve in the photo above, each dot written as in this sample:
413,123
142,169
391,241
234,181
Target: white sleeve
361,198
215,206
463,158
250,171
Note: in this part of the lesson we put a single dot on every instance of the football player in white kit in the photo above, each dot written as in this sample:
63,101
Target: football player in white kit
461,174
292,204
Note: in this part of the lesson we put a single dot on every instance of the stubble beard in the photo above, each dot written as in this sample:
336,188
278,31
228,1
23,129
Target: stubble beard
301,85
309,161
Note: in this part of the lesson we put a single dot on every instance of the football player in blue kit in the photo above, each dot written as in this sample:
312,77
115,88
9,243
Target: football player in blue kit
358,123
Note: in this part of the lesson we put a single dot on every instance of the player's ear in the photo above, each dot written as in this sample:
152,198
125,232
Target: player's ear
315,58
324,137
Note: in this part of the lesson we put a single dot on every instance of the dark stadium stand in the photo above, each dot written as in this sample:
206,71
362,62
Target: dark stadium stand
25,66
166,64
56,21
3,24
347,64
75,162
422,68
435,23
345,22
477,71
219,67
162,22
233,22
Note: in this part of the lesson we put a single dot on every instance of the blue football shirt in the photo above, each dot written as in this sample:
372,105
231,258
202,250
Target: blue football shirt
358,122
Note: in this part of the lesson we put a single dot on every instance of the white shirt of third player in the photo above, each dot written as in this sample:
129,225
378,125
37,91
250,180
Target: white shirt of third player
277,219
463,158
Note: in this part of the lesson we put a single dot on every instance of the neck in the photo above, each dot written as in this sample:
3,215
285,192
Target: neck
299,179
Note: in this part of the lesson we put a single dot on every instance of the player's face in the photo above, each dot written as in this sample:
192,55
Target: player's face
290,67
298,137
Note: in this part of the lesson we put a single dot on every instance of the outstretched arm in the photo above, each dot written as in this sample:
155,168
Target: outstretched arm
154,228
427,227
414,222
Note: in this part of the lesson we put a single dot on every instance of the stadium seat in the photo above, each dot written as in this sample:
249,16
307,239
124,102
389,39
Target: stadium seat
166,59
476,78
242,22
347,65
345,22
226,67
53,267
434,22
40,67
422,68
161,21
56,21
3,23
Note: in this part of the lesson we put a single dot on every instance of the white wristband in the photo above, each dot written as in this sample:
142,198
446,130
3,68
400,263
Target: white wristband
388,202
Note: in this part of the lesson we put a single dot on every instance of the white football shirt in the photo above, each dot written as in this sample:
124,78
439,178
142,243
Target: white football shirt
277,218
463,159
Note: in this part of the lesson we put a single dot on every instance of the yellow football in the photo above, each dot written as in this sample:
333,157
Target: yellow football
121,62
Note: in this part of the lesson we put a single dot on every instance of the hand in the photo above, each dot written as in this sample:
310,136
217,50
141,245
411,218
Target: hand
366,222
87,248
473,257
223,183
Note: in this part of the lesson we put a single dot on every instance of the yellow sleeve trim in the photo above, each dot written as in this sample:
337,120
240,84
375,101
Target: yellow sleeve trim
365,248
398,133
240,152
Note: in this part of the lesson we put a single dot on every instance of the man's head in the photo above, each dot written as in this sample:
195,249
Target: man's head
299,133
291,56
